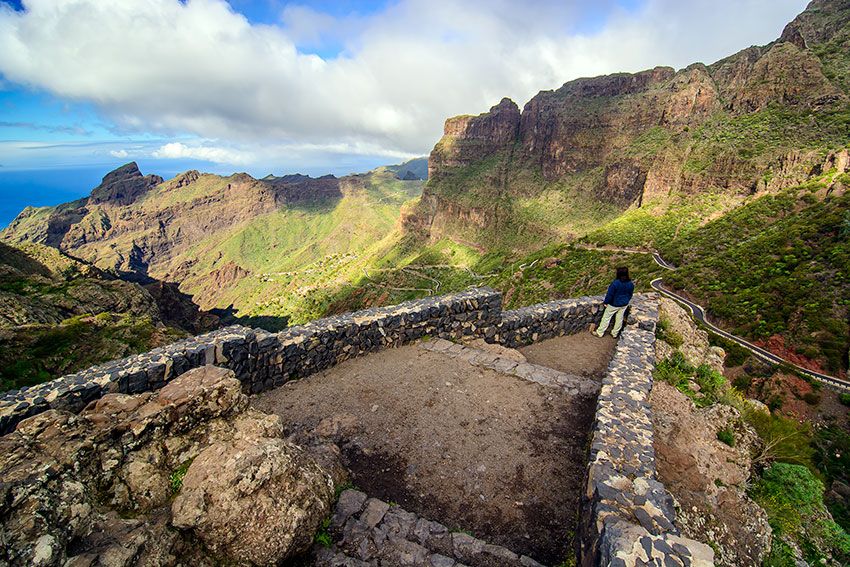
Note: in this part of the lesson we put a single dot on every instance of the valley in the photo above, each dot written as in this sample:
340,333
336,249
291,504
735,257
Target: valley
490,409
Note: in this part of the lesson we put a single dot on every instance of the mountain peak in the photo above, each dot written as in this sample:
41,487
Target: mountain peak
123,185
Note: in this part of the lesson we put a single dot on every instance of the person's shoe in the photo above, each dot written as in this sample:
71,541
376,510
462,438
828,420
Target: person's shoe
615,336
596,334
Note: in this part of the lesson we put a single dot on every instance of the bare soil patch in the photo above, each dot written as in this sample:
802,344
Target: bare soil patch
478,451
582,354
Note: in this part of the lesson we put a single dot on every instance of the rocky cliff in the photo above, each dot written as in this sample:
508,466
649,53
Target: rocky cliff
756,120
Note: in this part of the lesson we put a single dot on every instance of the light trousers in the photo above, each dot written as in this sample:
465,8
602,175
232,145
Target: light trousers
617,313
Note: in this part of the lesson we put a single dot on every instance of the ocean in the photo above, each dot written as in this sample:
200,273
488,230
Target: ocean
42,187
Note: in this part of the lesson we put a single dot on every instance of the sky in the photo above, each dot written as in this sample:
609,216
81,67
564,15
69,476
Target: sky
323,86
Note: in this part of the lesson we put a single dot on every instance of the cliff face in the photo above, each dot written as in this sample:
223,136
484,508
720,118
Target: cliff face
58,314
761,114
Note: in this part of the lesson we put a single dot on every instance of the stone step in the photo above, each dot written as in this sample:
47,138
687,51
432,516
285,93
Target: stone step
370,532
543,375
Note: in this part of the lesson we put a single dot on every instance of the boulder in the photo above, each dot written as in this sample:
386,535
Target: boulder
257,501
96,488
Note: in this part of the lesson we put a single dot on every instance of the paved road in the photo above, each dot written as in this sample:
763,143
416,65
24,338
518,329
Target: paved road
699,314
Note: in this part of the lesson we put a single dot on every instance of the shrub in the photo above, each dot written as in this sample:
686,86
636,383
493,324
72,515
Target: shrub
677,372
811,398
726,436
793,499
785,440
176,477
323,536
844,399
665,333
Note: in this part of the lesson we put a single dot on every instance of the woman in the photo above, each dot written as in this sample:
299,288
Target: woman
616,301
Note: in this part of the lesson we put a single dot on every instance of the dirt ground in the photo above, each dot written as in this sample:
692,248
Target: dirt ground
482,452
582,354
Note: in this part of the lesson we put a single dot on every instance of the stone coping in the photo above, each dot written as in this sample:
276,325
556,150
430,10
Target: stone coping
543,375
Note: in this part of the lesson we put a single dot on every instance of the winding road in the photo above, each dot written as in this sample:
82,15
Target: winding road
698,313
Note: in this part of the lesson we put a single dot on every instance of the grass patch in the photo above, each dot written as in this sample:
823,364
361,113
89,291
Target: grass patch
666,334
323,535
677,372
793,498
175,479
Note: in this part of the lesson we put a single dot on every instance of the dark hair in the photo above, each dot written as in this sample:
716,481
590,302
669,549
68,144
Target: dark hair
623,274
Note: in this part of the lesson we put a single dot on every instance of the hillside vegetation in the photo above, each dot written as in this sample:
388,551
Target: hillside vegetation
60,315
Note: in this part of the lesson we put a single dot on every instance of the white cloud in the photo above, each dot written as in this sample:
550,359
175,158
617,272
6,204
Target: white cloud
118,153
178,150
169,67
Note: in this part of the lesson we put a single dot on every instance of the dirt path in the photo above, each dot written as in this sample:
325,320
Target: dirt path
582,354
479,451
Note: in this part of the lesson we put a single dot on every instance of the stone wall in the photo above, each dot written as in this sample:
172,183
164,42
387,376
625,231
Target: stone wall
627,515
534,323
263,360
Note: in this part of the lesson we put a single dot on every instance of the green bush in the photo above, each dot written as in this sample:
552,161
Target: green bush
811,398
677,372
176,477
793,499
726,436
832,458
785,440
844,399
323,535
665,333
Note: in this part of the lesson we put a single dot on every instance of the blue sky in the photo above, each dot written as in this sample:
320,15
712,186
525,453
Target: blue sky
318,86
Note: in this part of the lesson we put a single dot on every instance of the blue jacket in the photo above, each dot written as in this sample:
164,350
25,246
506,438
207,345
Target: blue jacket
619,293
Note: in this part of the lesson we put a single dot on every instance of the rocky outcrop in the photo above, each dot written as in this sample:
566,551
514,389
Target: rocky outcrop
709,478
43,286
293,190
468,139
123,186
692,341
96,488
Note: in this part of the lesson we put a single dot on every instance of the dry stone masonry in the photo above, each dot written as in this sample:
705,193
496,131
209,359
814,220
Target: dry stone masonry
371,532
627,517
263,360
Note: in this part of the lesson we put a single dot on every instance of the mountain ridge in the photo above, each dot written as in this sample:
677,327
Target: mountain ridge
628,137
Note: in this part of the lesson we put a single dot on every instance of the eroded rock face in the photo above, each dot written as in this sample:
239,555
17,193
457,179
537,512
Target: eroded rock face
628,137
95,488
708,478
467,139
123,186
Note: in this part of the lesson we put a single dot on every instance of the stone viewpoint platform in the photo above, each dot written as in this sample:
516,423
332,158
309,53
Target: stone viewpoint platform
627,516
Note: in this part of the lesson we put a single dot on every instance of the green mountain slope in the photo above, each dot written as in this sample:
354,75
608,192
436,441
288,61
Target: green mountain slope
257,248
58,315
